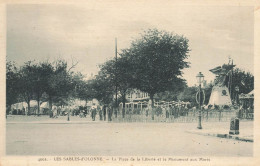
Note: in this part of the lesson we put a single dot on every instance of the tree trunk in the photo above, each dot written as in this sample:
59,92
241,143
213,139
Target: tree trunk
123,110
38,104
8,108
152,106
29,107
50,106
151,97
115,111
27,98
38,112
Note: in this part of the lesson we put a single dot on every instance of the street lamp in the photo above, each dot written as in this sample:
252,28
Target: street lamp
237,92
68,119
200,79
237,101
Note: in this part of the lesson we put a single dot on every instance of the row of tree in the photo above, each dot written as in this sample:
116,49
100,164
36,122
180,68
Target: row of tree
152,64
44,81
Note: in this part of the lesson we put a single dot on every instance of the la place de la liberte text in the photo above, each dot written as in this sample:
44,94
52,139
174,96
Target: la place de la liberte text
126,159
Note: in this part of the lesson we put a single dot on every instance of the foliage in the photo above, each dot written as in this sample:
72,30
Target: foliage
44,81
101,89
117,73
157,60
188,94
244,80
11,83
171,95
26,82
207,91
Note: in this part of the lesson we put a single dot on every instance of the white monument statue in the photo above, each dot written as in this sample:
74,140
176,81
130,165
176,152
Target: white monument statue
220,94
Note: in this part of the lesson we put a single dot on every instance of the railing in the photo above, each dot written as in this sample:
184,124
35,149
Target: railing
180,116
246,114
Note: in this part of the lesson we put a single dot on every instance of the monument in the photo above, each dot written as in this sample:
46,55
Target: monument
220,93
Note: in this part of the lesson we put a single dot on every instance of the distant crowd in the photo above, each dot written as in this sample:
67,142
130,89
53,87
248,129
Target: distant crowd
108,112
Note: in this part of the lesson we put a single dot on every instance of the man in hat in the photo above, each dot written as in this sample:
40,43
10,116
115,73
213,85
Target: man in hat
104,111
100,112
93,111
110,111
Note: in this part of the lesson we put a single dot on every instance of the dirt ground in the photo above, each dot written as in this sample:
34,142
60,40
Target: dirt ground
45,136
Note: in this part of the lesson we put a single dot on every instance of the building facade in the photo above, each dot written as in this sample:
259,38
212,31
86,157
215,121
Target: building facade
137,95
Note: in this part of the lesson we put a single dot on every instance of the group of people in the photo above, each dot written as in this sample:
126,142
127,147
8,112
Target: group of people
166,111
103,112
161,110
59,111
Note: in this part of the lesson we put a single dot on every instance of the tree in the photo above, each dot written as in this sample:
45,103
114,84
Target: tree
40,74
55,80
207,90
173,94
118,74
241,79
158,58
12,87
26,83
60,85
188,95
101,89
244,80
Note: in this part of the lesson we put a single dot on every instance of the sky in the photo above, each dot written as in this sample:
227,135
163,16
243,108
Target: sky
86,33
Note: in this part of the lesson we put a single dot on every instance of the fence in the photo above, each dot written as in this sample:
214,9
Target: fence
184,116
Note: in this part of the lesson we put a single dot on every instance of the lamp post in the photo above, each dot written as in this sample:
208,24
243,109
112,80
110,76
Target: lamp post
237,101
237,91
68,119
200,79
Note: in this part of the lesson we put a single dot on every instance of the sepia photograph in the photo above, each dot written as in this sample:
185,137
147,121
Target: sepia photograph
122,78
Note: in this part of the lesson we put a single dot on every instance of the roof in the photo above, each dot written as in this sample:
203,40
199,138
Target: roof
250,95
224,69
252,92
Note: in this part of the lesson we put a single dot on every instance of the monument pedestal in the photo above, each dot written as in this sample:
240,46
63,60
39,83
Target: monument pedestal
234,126
220,96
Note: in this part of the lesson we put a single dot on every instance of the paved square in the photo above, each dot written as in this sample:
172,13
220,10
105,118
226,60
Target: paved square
84,137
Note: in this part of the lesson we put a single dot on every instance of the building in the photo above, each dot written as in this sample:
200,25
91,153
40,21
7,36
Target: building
137,95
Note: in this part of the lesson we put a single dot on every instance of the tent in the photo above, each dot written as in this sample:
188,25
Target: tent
19,106
78,102
33,103
44,105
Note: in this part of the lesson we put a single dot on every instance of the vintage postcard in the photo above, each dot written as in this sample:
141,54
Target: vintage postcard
129,83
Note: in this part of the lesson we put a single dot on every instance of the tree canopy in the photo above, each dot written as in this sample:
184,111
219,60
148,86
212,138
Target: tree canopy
244,80
157,59
43,81
12,86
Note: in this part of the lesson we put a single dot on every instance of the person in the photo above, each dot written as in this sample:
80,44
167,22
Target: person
23,112
100,113
93,111
59,110
167,111
81,114
104,112
150,108
68,111
146,111
55,112
163,108
110,111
